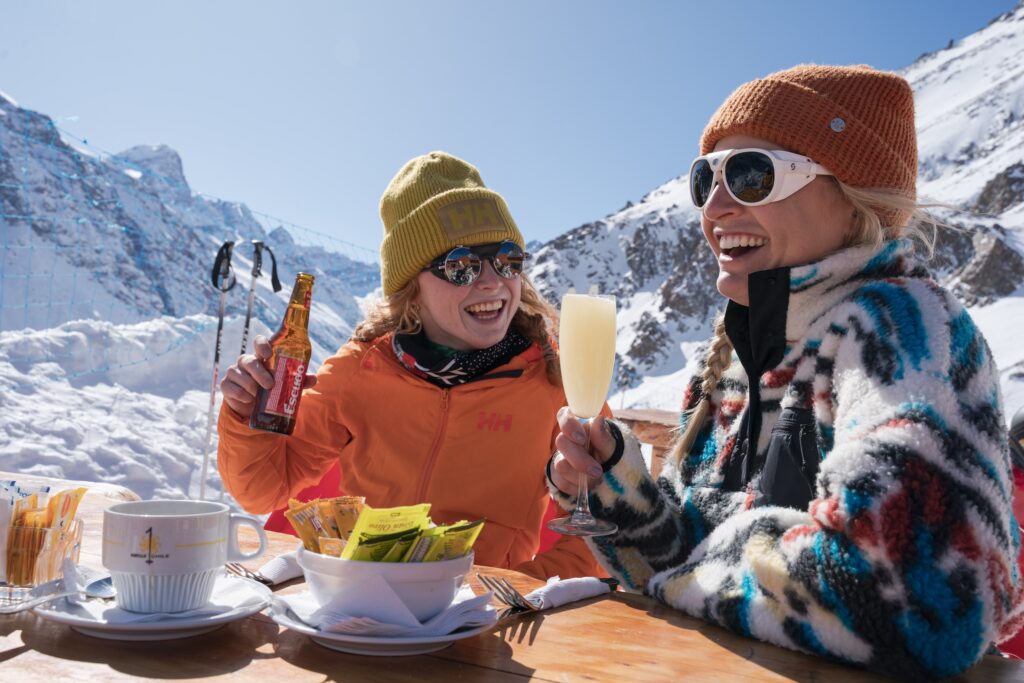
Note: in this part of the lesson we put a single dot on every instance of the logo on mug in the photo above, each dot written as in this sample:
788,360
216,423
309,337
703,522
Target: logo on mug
149,547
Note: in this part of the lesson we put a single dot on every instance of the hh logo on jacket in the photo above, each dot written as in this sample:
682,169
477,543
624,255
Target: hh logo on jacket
493,421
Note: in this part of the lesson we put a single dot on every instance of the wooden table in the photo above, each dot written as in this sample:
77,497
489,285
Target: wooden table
621,637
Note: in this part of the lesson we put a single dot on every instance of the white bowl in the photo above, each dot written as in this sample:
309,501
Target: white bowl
426,588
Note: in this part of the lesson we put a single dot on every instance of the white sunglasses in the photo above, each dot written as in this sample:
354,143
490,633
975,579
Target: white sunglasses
753,176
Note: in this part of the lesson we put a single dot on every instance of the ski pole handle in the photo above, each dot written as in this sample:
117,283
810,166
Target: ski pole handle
222,268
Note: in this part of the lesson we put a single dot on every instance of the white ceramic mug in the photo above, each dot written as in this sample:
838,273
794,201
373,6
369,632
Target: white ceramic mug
164,555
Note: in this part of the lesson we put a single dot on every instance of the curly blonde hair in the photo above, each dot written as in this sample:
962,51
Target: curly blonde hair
535,319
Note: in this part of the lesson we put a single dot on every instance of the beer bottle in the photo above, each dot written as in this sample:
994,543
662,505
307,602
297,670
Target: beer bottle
277,407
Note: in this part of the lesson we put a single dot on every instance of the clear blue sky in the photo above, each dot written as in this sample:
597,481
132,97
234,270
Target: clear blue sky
305,110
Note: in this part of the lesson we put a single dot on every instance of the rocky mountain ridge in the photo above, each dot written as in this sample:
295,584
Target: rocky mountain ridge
970,107
124,238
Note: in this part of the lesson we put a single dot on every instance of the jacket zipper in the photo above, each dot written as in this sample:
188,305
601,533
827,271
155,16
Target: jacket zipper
436,449
806,464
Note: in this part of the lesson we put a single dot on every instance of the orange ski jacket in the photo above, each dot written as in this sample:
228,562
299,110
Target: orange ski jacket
475,450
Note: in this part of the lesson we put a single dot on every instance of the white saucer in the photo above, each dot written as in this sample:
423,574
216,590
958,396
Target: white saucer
257,596
378,646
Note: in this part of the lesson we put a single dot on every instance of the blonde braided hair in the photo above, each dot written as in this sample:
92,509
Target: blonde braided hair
718,361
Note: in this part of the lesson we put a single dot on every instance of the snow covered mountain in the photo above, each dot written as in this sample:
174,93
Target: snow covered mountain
124,238
970,120
107,315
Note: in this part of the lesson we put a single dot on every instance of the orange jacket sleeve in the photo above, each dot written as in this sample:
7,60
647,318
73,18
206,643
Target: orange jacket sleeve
569,557
262,470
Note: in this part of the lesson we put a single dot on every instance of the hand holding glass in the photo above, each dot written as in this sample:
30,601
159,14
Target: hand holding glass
586,353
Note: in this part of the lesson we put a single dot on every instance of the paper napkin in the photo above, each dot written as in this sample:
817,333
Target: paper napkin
282,568
558,592
375,610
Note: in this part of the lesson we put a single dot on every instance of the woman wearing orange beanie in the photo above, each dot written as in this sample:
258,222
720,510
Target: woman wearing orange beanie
842,482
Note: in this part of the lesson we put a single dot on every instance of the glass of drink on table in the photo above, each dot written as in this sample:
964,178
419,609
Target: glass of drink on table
586,353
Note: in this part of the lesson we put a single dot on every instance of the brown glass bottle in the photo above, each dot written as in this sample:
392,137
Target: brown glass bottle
276,408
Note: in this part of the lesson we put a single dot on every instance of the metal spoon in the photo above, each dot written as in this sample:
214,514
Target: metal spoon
100,588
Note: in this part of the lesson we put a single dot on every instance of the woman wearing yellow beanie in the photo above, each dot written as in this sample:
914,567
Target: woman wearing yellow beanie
447,392
842,483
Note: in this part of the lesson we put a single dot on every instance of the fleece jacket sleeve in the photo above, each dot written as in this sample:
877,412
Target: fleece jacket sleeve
905,562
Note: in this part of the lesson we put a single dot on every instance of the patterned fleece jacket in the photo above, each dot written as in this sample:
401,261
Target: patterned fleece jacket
903,559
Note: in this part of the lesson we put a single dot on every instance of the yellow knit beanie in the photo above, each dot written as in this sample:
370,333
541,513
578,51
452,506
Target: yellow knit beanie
435,203
855,121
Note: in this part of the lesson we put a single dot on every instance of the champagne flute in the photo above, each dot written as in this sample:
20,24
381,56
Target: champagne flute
586,354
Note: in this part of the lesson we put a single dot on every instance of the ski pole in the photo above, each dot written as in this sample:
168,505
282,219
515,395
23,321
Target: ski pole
223,280
257,265
257,268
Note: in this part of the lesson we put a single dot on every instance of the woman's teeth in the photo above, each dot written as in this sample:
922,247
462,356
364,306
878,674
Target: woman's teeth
485,310
733,241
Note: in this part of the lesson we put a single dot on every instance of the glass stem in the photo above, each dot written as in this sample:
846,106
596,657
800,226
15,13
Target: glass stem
582,510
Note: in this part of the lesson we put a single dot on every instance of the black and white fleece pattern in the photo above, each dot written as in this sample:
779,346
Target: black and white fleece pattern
905,561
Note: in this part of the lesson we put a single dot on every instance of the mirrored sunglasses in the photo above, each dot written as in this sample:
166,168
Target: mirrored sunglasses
752,176
462,265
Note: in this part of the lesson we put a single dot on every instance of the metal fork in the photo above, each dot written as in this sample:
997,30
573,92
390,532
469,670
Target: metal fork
246,573
507,593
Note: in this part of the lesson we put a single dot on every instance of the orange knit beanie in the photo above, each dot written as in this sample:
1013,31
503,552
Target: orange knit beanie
855,121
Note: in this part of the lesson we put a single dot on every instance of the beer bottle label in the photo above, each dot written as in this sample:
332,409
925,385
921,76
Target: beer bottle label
288,376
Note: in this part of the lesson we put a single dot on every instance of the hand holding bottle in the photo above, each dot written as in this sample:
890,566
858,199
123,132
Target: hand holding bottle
243,379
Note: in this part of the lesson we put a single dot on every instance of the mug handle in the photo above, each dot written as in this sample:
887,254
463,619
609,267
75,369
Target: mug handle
235,553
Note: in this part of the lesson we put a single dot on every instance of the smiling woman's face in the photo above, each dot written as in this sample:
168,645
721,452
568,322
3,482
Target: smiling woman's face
804,227
471,317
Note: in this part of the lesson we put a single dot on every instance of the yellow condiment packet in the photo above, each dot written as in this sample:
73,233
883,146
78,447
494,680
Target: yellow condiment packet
61,509
24,544
331,546
346,511
400,547
384,522
454,541
326,512
419,549
306,521
376,548
21,505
